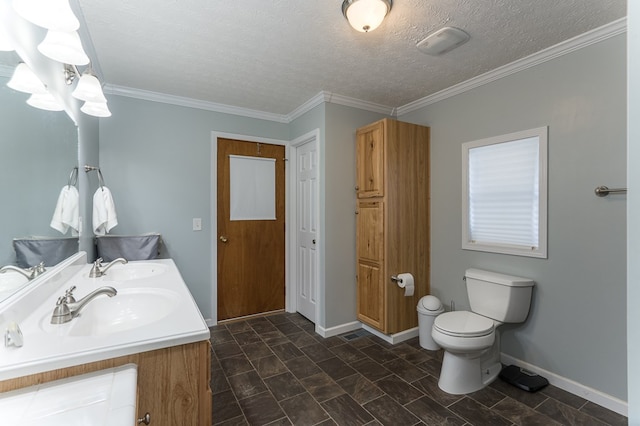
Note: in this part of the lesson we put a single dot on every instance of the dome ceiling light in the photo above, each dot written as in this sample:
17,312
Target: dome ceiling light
365,15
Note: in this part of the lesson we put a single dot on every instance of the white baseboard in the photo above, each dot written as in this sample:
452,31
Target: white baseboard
210,322
393,338
339,329
595,396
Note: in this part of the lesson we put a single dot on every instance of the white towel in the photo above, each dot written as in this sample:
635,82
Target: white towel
66,214
104,211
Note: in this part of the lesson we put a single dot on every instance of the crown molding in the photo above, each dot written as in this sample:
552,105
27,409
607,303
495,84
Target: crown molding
583,40
334,98
192,103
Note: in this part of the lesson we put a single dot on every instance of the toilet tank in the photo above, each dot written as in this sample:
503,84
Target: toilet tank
504,298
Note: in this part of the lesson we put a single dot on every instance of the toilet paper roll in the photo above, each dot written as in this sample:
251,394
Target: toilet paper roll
405,281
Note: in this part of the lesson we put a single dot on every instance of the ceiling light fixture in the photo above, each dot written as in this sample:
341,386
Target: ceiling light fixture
442,41
25,80
49,14
365,15
64,46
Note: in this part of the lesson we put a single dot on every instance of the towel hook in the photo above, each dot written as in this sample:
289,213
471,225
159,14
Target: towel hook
73,177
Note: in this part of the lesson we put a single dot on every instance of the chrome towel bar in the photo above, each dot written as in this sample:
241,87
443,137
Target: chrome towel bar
603,191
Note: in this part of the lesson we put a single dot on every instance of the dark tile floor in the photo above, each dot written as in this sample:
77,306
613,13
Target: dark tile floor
275,370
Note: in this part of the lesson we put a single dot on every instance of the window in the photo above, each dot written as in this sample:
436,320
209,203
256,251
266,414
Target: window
504,199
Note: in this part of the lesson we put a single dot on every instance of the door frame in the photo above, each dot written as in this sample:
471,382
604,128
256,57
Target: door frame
213,190
292,197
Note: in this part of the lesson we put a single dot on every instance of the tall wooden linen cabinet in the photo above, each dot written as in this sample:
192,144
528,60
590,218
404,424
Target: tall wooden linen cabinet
392,222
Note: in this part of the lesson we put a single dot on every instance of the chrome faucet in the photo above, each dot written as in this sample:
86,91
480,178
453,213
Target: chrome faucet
30,273
98,270
67,308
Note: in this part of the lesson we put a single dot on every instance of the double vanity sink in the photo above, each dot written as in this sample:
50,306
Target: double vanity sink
151,317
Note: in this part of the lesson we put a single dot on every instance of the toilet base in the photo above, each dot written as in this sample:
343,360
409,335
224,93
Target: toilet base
464,373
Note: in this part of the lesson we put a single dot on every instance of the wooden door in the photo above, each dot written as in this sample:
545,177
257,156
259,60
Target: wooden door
307,229
251,252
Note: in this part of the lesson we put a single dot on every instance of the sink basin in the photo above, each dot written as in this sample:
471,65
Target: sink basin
11,280
133,271
131,308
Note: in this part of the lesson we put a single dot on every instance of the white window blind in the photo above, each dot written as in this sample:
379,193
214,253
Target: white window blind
505,184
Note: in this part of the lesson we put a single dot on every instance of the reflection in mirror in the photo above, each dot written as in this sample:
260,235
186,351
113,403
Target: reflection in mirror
38,150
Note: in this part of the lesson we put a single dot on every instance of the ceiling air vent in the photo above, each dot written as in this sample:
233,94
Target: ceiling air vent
442,41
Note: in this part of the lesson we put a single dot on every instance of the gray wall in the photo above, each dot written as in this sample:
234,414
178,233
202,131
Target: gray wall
633,211
577,323
38,149
156,159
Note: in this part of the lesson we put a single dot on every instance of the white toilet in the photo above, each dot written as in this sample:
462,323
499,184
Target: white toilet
470,339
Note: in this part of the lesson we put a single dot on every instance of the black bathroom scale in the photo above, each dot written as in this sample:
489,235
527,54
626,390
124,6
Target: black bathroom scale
523,379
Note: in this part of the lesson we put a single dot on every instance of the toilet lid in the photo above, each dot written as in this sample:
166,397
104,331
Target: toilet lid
463,324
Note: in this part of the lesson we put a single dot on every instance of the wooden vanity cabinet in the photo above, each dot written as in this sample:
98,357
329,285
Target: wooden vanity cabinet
173,383
392,221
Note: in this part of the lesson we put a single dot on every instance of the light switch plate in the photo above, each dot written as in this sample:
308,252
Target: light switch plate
197,224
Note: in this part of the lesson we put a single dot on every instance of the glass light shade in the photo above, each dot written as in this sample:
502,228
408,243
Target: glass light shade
63,46
44,101
97,109
6,44
49,14
366,15
89,89
25,80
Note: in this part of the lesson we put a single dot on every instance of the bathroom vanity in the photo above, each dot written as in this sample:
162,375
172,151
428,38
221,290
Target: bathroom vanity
151,322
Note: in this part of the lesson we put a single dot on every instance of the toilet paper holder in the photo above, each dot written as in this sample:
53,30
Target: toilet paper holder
395,279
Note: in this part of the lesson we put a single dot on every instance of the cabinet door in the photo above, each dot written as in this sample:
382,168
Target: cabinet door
370,231
369,161
370,295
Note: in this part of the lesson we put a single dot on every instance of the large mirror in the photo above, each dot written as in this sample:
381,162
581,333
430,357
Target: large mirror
38,151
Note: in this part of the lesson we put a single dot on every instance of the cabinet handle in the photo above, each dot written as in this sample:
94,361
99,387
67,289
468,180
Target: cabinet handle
146,419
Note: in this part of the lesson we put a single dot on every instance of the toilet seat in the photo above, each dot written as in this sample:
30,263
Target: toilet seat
463,324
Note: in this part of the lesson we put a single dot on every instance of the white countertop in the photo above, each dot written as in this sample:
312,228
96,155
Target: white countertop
48,347
101,398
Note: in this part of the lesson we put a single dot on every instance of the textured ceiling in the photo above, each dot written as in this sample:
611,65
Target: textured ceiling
274,55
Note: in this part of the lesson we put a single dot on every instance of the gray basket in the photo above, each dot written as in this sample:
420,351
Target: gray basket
31,251
131,247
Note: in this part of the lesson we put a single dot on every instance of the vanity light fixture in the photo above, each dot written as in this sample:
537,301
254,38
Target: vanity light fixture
49,14
89,88
64,46
6,44
97,109
365,15
45,101
25,80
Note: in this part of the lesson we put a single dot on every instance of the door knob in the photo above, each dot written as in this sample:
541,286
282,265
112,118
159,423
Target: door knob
223,238
146,419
